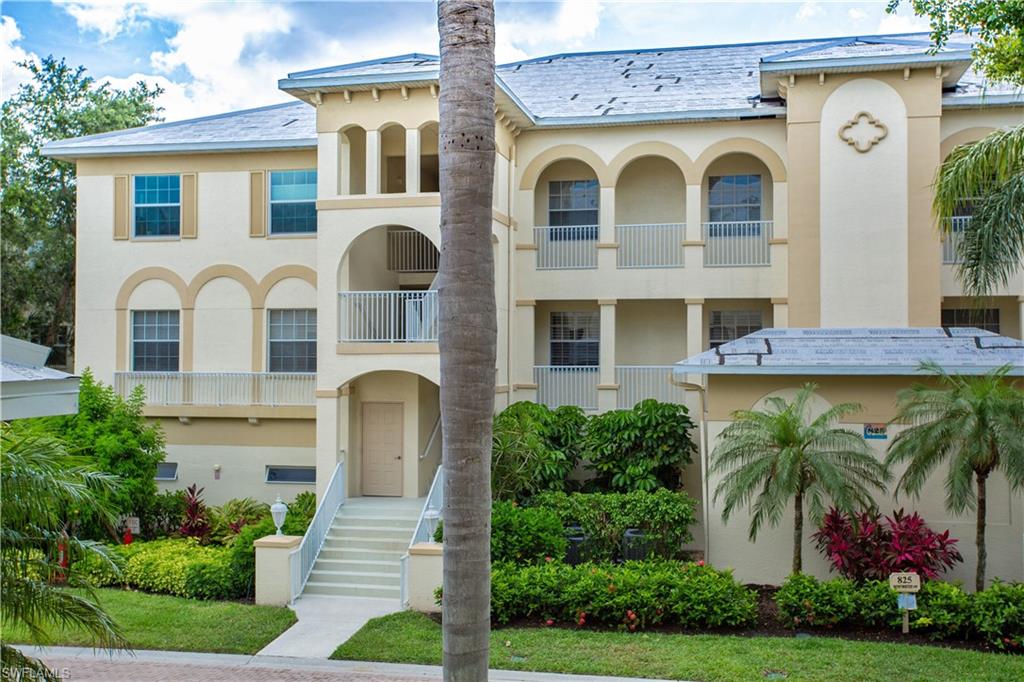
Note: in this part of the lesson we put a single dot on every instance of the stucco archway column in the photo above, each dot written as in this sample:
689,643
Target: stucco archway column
412,160
607,389
606,254
332,431
524,385
373,162
694,331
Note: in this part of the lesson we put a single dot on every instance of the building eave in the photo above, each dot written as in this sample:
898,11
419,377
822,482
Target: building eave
54,150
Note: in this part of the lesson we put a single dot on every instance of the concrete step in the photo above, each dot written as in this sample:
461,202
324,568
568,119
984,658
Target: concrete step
353,554
331,561
352,590
377,521
324,573
350,530
334,541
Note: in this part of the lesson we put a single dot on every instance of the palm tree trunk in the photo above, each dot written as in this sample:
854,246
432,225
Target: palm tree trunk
979,534
468,328
798,532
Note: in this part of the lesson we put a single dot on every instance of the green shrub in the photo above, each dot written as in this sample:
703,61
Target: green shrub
180,567
943,609
640,449
632,596
997,615
534,449
165,515
664,516
805,601
875,604
242,554
302,507
229,518
525,535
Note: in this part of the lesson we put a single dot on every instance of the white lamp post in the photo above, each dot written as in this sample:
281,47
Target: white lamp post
430,518
278,511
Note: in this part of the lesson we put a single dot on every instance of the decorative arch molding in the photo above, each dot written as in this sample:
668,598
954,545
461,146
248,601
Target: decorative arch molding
278,274
742,145
436,380
962,137
124,294
434,237
427,124
208,274
642,150
562,152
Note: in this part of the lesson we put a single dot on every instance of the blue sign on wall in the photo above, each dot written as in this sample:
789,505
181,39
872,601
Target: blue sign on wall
876,431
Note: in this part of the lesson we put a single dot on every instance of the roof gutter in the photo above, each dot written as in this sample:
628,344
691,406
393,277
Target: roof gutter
68,153
680,370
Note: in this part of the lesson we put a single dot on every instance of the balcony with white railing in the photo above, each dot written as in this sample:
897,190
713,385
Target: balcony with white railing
272,389
566,247
650,245
737,243
567,385
387,316
640,382
951,240
410,251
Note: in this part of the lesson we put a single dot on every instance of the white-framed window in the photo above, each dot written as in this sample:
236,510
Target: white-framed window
573,203
293,201
155,340
575,339
291,474
734,199
729,325
291,340
982,318
167,471
156,206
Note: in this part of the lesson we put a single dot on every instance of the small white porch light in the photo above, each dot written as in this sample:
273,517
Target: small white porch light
278,511
430,518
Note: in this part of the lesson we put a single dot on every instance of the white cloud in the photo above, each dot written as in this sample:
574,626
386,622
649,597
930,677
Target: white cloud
809,10
109,18
12,75
857,14
897,23
574,23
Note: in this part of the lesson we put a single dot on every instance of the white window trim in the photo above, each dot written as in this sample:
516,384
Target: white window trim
596,209
132,204
271,202
268,467
166,478
131,340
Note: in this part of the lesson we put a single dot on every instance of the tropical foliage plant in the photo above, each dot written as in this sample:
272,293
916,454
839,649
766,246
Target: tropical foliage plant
535,449
196,523
782,453
974,423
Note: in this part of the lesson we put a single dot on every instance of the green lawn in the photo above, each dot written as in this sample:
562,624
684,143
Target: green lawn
153,621
414,638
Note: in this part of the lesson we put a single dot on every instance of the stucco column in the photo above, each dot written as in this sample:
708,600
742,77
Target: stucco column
524,386
693,213
331,434
344,164
273,568
694,326
327,165
607,254
412,160
373,162
1020,317
607,389
780,312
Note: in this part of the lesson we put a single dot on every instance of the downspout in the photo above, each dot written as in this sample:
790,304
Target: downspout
702,426
510,275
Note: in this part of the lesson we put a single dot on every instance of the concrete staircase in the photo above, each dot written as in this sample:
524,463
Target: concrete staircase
361,555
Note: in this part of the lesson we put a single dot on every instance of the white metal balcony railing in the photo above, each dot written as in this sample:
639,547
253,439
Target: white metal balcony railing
640,382
220,388
569,247
951,240
411,251
567,385
737,244
651,245
387,316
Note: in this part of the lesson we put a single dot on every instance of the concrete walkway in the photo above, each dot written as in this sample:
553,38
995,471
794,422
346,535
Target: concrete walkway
80,665
324,623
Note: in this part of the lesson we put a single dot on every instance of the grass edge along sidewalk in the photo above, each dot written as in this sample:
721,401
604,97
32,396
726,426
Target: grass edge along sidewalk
409,637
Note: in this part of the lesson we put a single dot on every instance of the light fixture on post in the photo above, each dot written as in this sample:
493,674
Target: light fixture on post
430,519
278,511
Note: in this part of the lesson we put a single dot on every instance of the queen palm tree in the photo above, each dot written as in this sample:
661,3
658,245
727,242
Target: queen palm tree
780,453
989,174
974,422
40,483
468,327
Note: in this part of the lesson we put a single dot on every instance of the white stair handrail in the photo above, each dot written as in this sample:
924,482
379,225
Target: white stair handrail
302,558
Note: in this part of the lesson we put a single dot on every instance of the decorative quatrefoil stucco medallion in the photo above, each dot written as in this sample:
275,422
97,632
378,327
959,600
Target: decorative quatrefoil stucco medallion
863,131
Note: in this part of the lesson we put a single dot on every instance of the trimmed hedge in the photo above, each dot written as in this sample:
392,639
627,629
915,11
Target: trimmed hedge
633,595
525,535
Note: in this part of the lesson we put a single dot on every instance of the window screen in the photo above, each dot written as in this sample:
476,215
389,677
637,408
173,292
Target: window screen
287,474
575,339
292,201
292,341
157,211
167,471
729,325
155,341
573,202
734,198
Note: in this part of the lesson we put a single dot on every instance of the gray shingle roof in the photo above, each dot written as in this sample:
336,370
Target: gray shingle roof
869,351
587,88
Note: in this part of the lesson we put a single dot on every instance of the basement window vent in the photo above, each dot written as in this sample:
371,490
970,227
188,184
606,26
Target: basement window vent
291,474
167,471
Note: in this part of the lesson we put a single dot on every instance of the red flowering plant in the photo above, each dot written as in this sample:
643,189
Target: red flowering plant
197,521
865,546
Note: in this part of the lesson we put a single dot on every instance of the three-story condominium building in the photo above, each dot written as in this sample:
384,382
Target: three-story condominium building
268,275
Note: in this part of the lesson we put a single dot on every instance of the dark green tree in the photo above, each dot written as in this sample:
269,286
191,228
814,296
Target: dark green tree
37,254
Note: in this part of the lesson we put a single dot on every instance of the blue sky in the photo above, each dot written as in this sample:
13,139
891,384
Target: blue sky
212,57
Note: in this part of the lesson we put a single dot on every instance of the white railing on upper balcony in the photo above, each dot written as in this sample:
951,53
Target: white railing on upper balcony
567,385
650,246
568,247
951,240
302,559
640,382
411,251
220,388
387,316
737,244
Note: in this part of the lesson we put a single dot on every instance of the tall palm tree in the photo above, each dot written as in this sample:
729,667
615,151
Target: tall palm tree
974,422
990,174
40,483
468,327
769,456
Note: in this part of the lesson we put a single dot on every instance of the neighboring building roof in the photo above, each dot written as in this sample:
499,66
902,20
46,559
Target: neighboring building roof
868,351
622,87
29,389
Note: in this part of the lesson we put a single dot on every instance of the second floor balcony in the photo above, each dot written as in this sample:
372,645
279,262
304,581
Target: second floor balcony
387,316
220,389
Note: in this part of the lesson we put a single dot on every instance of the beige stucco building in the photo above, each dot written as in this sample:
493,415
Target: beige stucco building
267,275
